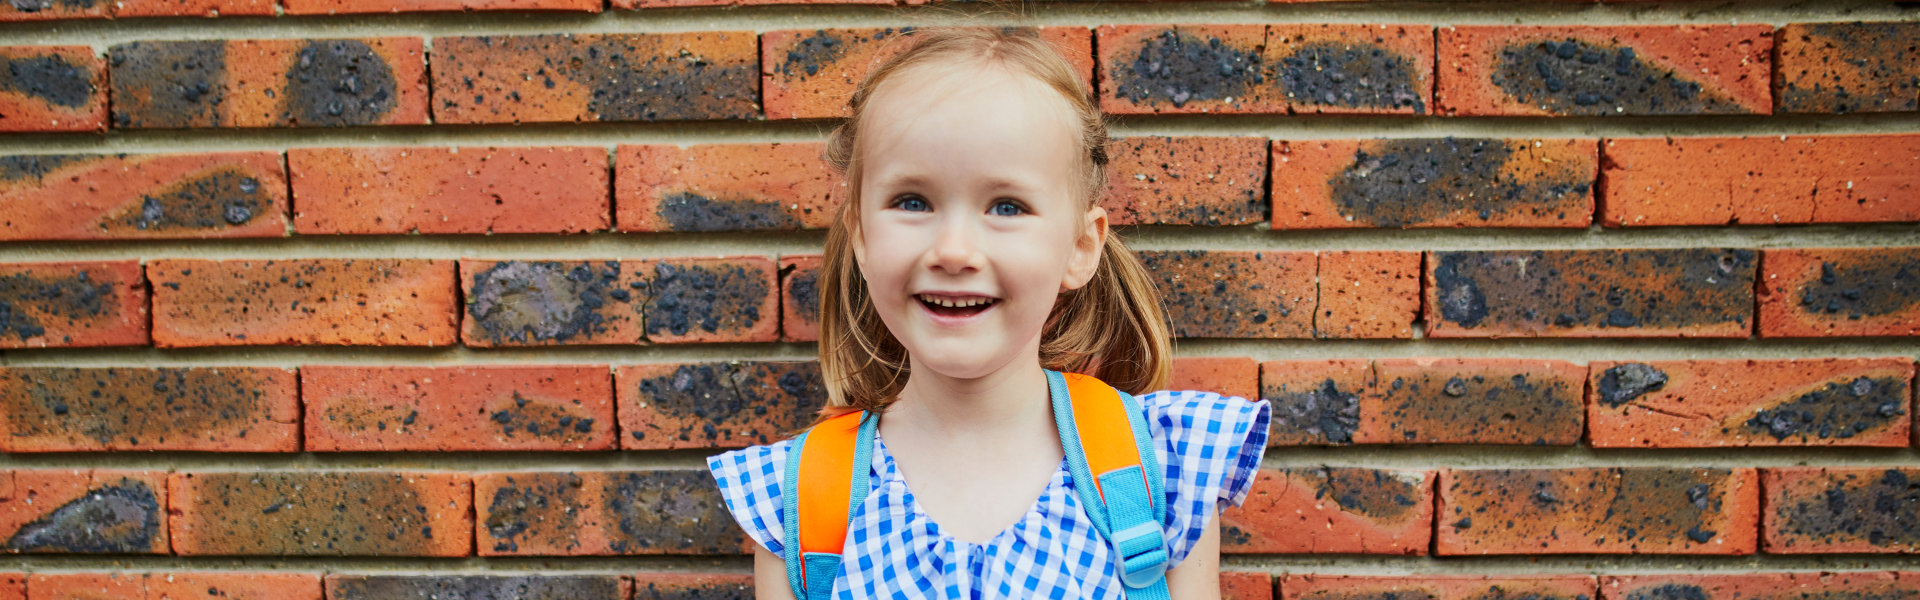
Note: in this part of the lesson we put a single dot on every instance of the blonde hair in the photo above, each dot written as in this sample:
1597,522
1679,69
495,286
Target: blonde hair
1113,328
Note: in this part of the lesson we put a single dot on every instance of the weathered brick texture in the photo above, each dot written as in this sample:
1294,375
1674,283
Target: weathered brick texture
811,74
1424,401
725,187
1848,67
321,513
1206,181
1815,292
349,302
1437,587
121,196
602,513
1684,292
716,405
1604,70
174,585
1764,586
1842,510
52,88
1761,180
594,77
433,587
449,190
208,409
1266,69
1709,403
72,304
269,83
1428,182
534,303
1335,510
1619,510
84,511
457,408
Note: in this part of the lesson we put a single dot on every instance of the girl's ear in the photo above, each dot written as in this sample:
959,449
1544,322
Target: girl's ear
1088,247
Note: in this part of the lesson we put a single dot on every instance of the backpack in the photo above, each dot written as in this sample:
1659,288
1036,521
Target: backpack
1101,431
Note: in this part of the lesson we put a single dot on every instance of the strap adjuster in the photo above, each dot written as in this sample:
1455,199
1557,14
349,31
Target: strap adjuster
1143,554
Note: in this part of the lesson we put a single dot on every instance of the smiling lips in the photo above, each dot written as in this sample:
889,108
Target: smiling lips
955,305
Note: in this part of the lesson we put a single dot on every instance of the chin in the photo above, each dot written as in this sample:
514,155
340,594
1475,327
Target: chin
956,361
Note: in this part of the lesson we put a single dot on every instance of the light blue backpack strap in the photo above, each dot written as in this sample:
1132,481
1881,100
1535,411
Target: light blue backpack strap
1125,500
814,541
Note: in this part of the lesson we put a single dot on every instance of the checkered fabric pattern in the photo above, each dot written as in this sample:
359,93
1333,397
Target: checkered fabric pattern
1210,446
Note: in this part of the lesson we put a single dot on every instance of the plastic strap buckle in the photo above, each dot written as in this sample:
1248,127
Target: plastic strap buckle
1143,554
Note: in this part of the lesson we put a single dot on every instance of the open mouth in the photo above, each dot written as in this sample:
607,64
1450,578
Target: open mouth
956,306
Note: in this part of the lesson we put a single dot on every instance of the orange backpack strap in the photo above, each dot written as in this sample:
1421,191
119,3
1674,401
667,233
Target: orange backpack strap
828,470
1111,456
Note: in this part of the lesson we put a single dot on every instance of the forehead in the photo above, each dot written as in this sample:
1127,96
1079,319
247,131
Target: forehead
956,103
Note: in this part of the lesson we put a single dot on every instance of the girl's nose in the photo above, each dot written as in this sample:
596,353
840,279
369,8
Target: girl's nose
955,249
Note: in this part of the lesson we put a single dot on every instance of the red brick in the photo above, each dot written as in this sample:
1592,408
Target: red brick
1266,69
391,409
675,586
363,302
52,10
724,187
1604,70
143,196
269,83
1762,586
87,586
716,405
1236,294
1309,586
1245,585
1210,181
1367,294
214,409
489,190
1711,403
174,586
1341,510
1225,375
83,511
13,586
1761,180
590,513
583,586
800,297
1664,292
1317,402
1424,401
73,304
666,301
348,7
192,8
1816,292
632,4
594,77
810,74
52,88
1848,67
1433,182
1833,510
1619,510
321,513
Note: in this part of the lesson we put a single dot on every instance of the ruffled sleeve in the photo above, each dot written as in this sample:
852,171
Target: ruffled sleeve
1210,447
749,480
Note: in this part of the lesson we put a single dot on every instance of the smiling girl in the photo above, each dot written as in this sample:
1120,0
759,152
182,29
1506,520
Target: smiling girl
973,257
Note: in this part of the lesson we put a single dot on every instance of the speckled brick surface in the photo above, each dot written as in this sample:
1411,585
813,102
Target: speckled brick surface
1246,585
1266,69
83,511
1309,586
182,585
1367,294
1433,182
1236,294
142,196
48,10
269,83
677,586
1828,510
603,513
1332,510
192,8
209,409
1678,292
484,190
1424,401
1849,67
1713,403
1575,70
333,302
50,305
811,73
1762,586
1761,180
595,77
537,303
477,587
724,187
52,88
1225,375
347,7
321,513
1820,292
800,297
516,407
1594,510
1203,181
716,405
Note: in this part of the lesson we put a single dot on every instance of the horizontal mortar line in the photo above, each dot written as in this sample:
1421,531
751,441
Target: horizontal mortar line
1258,237
1774,12
1421,457
1577,350
1549,564
397,565
1283,127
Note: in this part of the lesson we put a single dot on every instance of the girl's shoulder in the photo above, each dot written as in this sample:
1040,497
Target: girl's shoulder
1209,446
749,481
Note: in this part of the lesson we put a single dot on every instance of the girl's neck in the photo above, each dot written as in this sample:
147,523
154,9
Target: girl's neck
1010,402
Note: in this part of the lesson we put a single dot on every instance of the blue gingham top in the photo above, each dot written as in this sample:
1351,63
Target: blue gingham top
1209,446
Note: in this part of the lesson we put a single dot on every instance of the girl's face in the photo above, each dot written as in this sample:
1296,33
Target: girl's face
971,220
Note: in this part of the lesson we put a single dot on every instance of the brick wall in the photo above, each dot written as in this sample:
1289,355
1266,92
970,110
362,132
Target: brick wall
1564,300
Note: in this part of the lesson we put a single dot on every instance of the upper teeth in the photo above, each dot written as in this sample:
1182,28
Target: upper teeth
951,303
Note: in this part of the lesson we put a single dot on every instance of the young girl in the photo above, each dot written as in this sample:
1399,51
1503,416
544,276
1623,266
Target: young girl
972,254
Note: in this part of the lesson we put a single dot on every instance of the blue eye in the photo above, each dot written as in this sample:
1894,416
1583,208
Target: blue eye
911,203
1007,208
